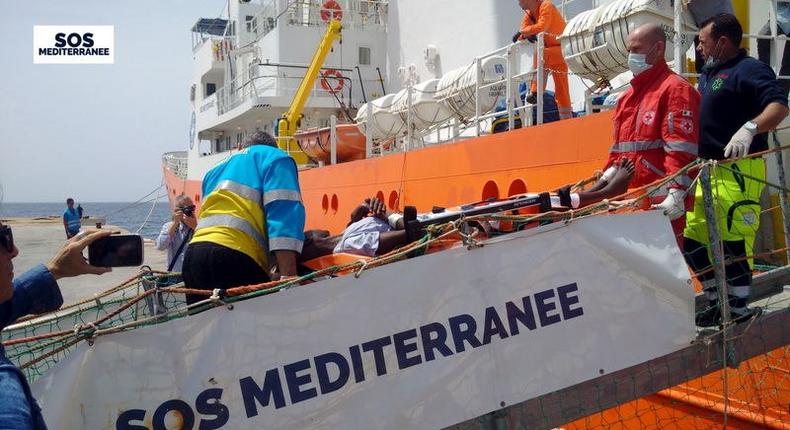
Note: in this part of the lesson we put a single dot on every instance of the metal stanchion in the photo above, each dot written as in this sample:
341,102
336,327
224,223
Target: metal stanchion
783,198
541,74
714,239
718,268
333,140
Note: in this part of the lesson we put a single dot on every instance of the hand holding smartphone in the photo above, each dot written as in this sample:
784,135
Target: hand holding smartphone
116,251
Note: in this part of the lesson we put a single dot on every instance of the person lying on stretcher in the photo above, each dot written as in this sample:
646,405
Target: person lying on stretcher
371,231
613,183
374,231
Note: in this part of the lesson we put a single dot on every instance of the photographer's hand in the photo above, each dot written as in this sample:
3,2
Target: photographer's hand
69,261
178,216
190,221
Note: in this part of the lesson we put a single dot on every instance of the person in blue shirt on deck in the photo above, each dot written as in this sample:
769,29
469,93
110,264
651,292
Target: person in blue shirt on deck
71,219
34,292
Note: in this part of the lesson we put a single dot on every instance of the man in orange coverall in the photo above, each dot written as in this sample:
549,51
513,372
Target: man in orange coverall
542,16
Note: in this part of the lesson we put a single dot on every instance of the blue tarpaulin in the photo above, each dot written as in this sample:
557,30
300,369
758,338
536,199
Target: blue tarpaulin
213,26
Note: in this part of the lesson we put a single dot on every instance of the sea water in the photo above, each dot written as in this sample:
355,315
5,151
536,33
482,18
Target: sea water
129,216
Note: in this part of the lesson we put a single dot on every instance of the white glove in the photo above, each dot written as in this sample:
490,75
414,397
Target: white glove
609,174
739,144
673,205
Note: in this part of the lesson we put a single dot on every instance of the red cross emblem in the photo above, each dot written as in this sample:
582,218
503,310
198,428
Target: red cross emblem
686,126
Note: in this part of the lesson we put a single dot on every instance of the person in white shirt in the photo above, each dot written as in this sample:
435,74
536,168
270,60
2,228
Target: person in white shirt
175,234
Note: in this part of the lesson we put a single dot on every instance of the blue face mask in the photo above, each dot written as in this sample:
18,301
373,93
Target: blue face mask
637,63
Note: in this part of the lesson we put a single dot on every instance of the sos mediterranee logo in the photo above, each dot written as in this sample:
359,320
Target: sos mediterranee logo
73,44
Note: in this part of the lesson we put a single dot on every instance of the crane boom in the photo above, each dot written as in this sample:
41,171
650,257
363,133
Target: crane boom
290,118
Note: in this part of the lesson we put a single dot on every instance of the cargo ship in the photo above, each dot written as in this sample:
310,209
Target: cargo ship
420,86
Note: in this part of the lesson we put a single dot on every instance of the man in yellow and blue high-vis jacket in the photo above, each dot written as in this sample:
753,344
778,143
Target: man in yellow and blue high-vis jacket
252,208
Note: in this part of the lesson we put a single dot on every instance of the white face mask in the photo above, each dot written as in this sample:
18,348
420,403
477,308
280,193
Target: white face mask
712,61
637,63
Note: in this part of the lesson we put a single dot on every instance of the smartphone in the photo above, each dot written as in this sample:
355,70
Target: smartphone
116,251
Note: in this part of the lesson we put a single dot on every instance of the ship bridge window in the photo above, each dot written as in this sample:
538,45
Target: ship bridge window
210,88
364,56
251,24
222,144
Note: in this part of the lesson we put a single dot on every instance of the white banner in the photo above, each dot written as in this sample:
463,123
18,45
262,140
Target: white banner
73,44
423,343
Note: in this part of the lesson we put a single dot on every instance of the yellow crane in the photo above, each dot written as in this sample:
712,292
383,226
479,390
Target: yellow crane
289,121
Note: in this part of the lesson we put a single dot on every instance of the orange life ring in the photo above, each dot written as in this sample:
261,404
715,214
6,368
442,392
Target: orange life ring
331,10
337,77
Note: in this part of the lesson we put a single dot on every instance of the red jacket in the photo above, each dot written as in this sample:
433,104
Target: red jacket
656,124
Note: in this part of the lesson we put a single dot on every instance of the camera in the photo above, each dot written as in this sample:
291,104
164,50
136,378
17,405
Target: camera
188,210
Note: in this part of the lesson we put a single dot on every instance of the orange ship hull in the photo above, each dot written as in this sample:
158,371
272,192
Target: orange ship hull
758,398
533,159
499,165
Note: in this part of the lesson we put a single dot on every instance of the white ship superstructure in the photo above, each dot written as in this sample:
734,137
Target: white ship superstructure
247,68
249,62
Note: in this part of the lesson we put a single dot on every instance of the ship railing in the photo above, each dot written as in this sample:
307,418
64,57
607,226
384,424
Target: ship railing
38,342
515,109
776,55
251,87
284,79
264,21
774,36
176,162
228,98
208,29
235,93
198,40
723,361
357,14
459,127
279,80
290,145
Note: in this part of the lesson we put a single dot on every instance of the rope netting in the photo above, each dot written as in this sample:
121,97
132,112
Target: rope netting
732,264
715,381
737,372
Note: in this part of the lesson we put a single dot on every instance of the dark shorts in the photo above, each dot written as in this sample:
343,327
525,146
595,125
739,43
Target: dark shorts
208,266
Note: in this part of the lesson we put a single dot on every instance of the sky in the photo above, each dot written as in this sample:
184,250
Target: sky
95,132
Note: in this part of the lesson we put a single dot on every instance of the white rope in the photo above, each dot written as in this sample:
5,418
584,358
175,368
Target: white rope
137,202
358,273
153,206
